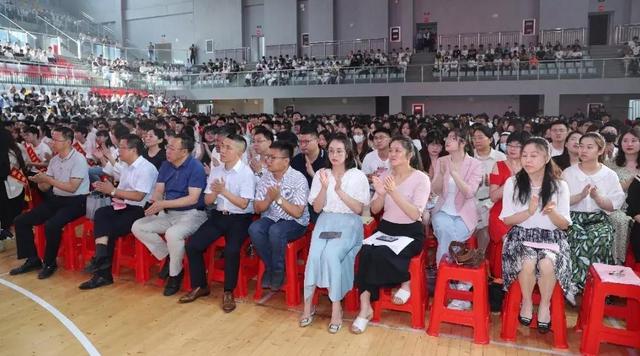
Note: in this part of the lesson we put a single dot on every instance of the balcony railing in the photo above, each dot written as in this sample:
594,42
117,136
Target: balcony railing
546,70
625,33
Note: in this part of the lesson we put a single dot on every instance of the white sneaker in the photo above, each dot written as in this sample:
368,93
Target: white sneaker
457,304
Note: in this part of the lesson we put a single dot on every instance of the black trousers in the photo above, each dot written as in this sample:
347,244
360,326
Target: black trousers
54,213
115,223
634,238
235,229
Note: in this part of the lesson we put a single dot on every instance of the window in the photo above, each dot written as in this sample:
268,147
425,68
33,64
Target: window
209,46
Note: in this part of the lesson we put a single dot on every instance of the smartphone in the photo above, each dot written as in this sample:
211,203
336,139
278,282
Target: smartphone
386,238
329,235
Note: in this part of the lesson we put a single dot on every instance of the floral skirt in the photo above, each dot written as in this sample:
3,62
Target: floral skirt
514,252
591,240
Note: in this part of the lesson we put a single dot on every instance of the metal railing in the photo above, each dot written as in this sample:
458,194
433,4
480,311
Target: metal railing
566,36
545,70
625,33
484,38
238,54
342,48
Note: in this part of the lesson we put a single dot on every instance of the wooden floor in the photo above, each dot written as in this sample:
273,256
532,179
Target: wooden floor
131,319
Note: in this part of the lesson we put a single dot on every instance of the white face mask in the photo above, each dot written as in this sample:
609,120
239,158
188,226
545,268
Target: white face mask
503,147
358,138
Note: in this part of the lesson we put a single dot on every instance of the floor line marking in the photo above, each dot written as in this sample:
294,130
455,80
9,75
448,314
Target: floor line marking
73,329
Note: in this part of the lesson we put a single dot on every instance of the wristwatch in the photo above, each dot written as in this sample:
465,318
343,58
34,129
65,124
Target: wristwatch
279,201
113,193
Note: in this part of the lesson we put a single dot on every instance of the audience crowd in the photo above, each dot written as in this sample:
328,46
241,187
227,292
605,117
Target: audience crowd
195,178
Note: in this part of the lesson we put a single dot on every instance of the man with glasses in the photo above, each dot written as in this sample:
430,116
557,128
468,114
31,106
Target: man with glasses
137,179
68,176
177,209
262,139
376,162
311,157
281,198
559,132
231,186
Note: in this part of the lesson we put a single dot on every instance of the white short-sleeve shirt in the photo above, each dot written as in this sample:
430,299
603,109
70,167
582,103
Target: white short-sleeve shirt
512,206
606,180
372,163
140,176
239,181
354,183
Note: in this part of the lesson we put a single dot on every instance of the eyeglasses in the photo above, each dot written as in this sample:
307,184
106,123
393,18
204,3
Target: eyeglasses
306,142
510,145
270,157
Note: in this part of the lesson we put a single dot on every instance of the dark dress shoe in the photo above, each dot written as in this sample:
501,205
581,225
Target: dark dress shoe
31,264
95,282
96,264
47,271
544,328
194,294
524,321
228,302
164,271
173,285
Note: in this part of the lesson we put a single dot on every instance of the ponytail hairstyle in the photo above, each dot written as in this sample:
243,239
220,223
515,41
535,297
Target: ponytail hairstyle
412,152
522,191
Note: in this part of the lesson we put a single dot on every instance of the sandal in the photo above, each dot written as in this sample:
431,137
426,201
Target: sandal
360,324
304,322
334,328
401,295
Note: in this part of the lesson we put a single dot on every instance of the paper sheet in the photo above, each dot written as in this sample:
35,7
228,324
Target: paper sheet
617,274
395,246
543,246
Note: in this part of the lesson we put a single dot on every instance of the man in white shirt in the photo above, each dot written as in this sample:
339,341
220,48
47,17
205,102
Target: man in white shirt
559,132
36,152
231,186
376,163
137,179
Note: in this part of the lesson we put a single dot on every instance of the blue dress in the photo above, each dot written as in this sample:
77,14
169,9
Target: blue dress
331,262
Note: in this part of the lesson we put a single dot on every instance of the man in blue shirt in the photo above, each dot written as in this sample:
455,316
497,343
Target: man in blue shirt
177,209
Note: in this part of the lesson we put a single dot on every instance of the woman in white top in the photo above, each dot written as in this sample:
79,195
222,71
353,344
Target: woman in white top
339,193
595,192
536,206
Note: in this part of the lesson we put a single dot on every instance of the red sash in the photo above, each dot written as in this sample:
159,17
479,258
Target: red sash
20,177
34,157
81,150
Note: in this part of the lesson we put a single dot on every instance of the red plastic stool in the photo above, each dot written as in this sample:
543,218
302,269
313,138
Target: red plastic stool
511,310
215,270
144,260
124,254
69,246
351,299
478,316
369,226
417,303
87,244
295,260
594,309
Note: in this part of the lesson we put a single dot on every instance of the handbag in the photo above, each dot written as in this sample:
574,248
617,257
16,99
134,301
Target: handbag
95,202
465,256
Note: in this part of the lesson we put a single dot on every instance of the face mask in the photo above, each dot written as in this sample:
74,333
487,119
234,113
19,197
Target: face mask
358,138
503,147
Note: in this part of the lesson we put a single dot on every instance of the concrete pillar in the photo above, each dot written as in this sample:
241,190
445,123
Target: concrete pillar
395,104
551,104
268,105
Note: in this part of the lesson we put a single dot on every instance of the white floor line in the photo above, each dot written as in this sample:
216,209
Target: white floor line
73,329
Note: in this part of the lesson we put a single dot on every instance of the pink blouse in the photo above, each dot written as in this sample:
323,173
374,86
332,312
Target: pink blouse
415,188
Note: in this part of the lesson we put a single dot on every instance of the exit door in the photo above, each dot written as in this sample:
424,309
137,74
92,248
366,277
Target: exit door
598,29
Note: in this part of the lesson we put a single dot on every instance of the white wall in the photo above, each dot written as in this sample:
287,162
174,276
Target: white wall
616,105
360,19
492,105
366,105
248,106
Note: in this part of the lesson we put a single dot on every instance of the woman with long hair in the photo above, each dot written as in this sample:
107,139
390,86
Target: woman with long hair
627,166
595,192
155,142
536,205
361,142
502,171
456,181
408,130
434,142
402,193
338,193
571,154
11,189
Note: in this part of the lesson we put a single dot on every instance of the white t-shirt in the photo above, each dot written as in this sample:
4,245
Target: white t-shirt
555,152
487,164
140,176
354,183
606,180
537,220
372,164
449,205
